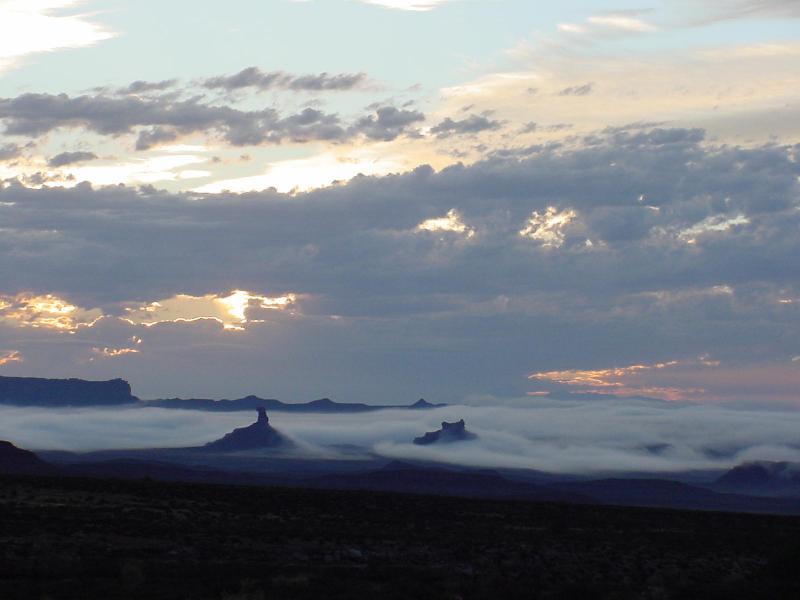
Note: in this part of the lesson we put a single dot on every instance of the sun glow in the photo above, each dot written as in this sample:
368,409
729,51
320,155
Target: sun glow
45,311
232,311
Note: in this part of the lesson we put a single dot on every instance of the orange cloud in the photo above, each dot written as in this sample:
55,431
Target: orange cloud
46,311
631,380
10,356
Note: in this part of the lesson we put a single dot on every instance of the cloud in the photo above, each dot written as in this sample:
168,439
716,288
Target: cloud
726,10
45,311
253,77
577,90
387,123
412,5
626,22
232,311
641,246
548,227
164,167
10,151
9,356
469,126
69,158
305,174
163,119
566,436
630,380
144,87
739,92
33,27
607,25
451,222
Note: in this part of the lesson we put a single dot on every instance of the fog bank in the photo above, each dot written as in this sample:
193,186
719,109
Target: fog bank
548,435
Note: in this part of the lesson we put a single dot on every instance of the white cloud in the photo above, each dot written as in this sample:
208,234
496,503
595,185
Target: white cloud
623,22
305,174
33,26
44,311
548,226
450,222
140,170
415,5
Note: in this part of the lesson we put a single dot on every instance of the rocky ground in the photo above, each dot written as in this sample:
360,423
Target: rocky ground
102,538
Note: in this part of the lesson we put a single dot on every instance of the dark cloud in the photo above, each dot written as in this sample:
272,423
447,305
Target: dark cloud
163,119
69,158
691,249
387,123
577,90
155,136
253,77
469,126
142,87
9,151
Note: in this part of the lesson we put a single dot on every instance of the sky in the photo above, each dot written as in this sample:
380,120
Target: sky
381,200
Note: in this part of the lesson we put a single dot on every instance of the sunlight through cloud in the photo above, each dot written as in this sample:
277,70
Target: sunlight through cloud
231,310
451,222
548,227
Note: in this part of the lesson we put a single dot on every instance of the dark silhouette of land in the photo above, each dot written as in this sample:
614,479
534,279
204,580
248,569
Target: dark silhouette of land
31,391
147,528
450,432
227,461
69,538
763,477
258,435
55,393
18,461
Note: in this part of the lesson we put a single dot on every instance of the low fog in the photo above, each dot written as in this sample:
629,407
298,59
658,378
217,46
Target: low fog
579,437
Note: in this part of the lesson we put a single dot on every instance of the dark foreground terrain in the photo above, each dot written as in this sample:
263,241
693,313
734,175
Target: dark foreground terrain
105,538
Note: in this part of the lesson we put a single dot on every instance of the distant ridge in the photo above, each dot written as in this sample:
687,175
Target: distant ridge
324,405
33,391
55,393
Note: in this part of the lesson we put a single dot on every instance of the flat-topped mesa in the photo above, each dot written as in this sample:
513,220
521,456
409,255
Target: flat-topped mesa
33,391
258,435
450,432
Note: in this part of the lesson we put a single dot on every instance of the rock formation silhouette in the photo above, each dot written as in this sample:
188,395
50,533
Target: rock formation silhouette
423,404
450,432
33,391
258,435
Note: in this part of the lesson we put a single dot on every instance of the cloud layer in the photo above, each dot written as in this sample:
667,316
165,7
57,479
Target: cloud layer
577,437
643,246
